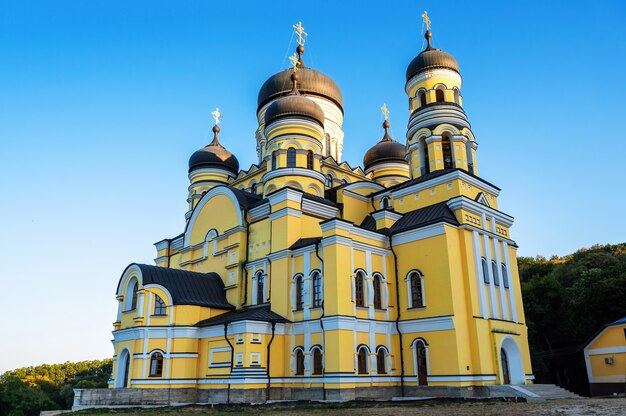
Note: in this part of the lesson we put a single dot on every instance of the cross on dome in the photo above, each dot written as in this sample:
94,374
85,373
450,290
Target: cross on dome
385,111
426,19
299,30
216,116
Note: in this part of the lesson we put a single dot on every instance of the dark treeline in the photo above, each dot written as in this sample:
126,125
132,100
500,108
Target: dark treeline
567,300
28,390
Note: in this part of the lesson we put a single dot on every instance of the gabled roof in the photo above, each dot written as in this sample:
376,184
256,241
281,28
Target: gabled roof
369,223
186,288
303,242
620,321
246,199
425,216
255,313
433,175
320,200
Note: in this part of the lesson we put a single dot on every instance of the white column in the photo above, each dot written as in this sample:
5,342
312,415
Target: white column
370,285
503,304
372,342
119,309
492,291
140,297
480,283
306,283
507,264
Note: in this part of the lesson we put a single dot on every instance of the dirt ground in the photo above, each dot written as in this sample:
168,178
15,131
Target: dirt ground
570,407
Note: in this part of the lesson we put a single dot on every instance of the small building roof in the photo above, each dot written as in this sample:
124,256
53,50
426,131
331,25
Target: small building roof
256,313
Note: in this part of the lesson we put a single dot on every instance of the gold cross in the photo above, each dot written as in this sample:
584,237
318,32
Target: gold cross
426,20
300,32
217,115
294,62
385,111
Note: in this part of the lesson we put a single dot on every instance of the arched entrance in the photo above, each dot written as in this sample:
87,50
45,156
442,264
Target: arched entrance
506,375
422,367
123,369
511,366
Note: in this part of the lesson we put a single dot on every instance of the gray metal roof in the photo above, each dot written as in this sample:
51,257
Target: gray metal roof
256,313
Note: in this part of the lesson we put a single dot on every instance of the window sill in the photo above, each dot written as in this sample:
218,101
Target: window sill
151,376
158,316
417,308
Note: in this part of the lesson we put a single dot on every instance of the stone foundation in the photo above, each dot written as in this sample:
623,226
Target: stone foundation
129,397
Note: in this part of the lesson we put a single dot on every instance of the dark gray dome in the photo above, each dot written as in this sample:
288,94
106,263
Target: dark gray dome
214,155
431,58
310,82
294,106
386,150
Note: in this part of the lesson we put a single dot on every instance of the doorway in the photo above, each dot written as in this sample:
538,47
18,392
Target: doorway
506,374
123,369
422,368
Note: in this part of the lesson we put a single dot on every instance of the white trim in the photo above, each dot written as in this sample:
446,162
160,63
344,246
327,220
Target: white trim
218,350
385,214
317,208
279,172
461,378
259,212
457,174
218,190
449,74
610,350
419,234
463,202
444,323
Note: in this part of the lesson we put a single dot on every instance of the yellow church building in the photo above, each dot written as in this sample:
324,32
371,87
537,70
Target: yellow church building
305,277
605,359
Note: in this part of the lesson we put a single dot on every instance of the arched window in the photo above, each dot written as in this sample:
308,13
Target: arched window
422,97
456,96
274,163
291,157
131,295
362,360
378,292
317,289
494,271
485,270
505,276
446,146
421,362
327,144
381,356
260,288
299,361
417,290
159,306
329,180
439,95
359,289
299,290
156,365
253,188
385,203
318,366
426,157
309,159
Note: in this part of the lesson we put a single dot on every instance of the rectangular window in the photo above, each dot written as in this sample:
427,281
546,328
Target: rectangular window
255,359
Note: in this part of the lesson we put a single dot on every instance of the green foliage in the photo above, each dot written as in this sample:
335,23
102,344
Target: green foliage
566,301
26,391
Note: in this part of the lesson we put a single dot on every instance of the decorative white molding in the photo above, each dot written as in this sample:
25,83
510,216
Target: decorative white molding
419,234
386,215
444,323
292,172
449,74
317,208
259,212
463,202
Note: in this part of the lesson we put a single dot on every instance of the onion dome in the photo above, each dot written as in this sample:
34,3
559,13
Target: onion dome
431,58
310,82
294,105
386,150
214,155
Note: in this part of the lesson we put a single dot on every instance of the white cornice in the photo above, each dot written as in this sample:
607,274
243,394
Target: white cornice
284,212
463,202
336,223
259,212
284,194
293,172
433,73
386,215
418,234
317,208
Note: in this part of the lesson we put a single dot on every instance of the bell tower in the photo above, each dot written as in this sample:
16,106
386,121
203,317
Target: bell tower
439,135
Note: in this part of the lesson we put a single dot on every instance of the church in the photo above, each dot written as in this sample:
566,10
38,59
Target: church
302,277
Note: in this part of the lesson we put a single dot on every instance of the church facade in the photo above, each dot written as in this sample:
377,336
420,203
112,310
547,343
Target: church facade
305,277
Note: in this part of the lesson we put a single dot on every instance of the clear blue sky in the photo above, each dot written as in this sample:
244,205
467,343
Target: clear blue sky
102,103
